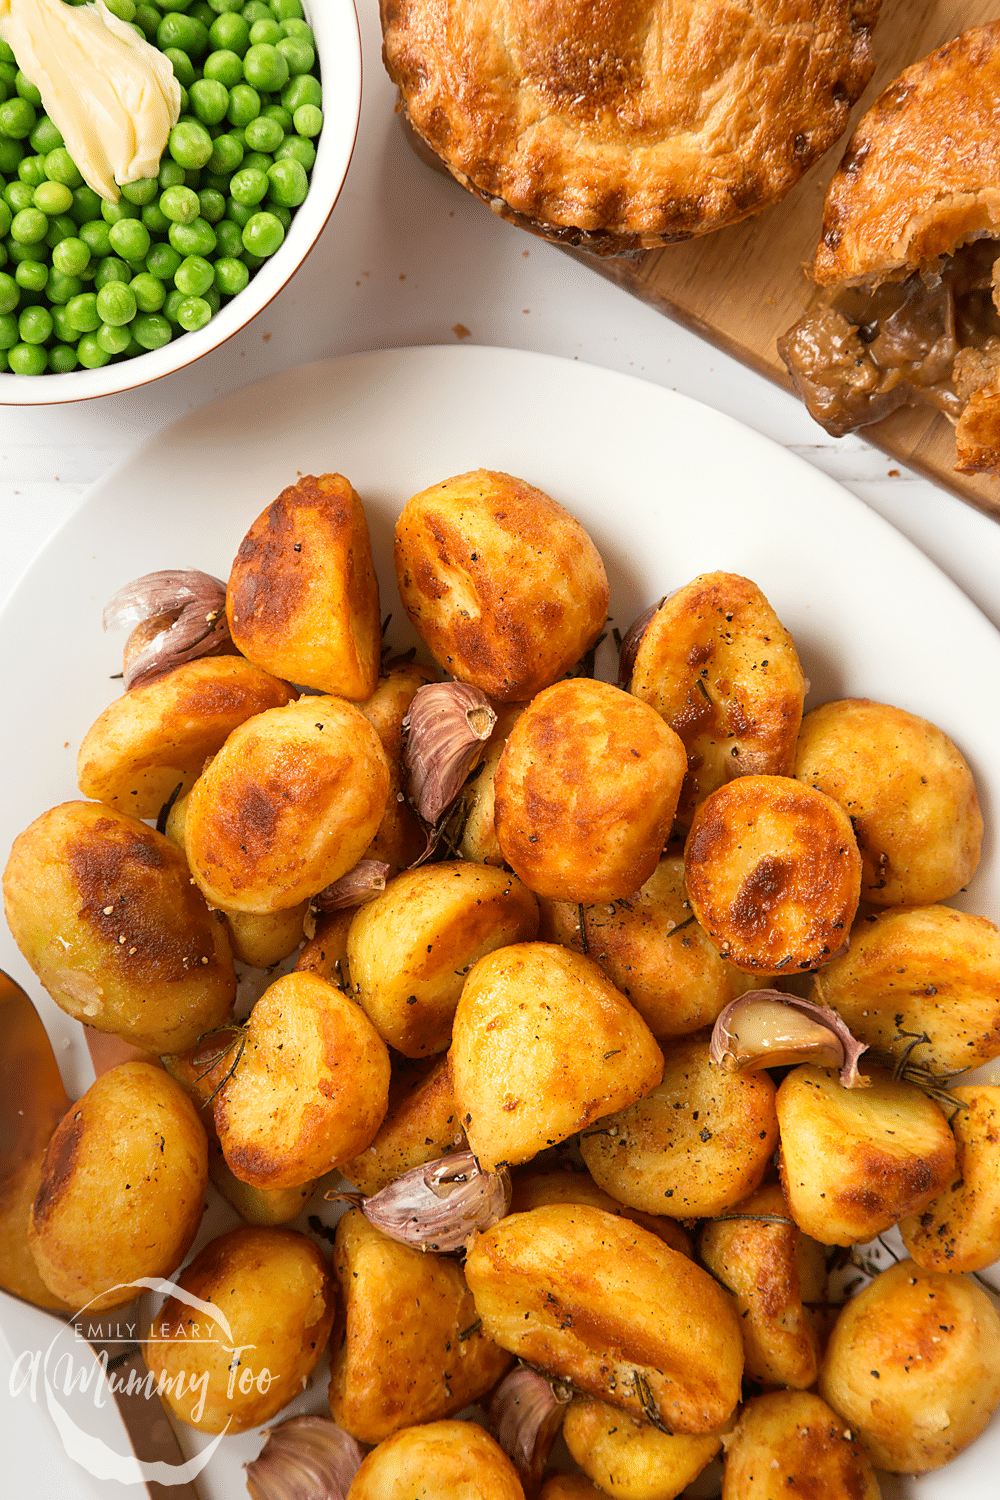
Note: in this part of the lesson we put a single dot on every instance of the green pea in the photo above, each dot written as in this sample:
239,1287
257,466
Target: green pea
231,276
171,175
62,359
248,186
209,100
11,153
264,134
193,313
125,10
149,292
162,262
193,239
214,299
288,183
146,190
265,31
287,9
90,354
116,304
256,11
192,178
182,65
62,325
155,219
86,204
180,205
45,137
32,275
29,226
308,120
152,332
265,68
302,89
27,90
171,5
31,169
173,302
223,7
230,34
10,293
53,198
202,12
71,256
282,214
244,104
215,183
113,213
224,67
299,149
213,205
61,227
62,289
17,119
295,26
229,239
240,214
227,154
97,237
194,276
82,312
148,19
279,113
19,195
9,335
4,360
111,269
28,359
183,32
130,239
5,218
19,252
35,325
298,54
263,234
7,51
114,338
190,144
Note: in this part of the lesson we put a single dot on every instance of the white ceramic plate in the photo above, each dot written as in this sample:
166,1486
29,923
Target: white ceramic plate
666,488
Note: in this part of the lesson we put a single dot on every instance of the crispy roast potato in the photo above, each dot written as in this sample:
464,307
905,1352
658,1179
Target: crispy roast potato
913,1366
542,1044
155,739
773,873
421,1125
278,1300
696,1144
569,1487
400,838
410,949
654,950
479,840
325,953
920,971
310,1087
437,1461
122,1190
290,803
411,1348
630,1459
855,1161
104,911
723,671
303,597
908,792
960,1230
533,1189
791,1442
772,1270
502,584
585,792
600,1302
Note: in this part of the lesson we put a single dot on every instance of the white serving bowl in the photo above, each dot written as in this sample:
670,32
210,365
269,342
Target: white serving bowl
338,48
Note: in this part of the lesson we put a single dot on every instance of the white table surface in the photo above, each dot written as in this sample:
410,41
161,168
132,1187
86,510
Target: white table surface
404,259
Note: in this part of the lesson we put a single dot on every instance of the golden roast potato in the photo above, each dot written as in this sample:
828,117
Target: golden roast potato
855,1161
600,1302
122,1190
289,805
303,597
410,949
653,949
437,1461
908,792
569,1487
773,1271
411,1347
309,1088
773,873
533,1189
633,1460
585,792
325,953
723,671
400,838
274,1304
542,1044
501,583
915,972
960,1229
420,1125
151,743
479,840
792,1443
104,911
694,1145
913,1366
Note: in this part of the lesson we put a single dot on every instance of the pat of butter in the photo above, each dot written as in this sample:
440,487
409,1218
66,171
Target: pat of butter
112,96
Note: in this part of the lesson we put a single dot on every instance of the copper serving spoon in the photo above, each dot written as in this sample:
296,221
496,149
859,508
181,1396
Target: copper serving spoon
32,1102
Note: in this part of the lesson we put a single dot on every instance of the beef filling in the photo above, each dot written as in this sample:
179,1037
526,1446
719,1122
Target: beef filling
859,352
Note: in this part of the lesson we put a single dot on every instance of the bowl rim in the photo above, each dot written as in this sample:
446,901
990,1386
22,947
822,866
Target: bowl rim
337,31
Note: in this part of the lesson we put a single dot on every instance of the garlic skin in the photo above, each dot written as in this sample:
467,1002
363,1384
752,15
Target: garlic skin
192,606
769,1029
439,1205
365,880
305,1458
446,730
631,641
113,97
525,1416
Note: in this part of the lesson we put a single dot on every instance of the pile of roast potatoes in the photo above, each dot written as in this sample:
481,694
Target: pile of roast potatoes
622,863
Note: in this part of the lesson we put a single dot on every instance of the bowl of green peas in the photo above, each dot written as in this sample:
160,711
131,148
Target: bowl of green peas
98,297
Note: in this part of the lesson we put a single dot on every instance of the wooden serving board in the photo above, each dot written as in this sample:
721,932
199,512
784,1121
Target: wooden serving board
743,287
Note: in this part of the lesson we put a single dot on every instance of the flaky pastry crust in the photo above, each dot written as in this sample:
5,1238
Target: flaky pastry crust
625,124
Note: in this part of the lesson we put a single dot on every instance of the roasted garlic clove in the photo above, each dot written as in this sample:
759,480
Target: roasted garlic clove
367,879
437,1206
446,731
525,1416
769,1029
305,1458
190,607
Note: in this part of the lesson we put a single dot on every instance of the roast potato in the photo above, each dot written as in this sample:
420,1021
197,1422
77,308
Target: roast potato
154,740
122,1190
585,792
410,949
289,805
400,837
533,1189
437,1461
960,1229
302,599
104,911
542,1044
277,1299
720,667
325,953
420,1125
633,1460
908,792
791,1442
504,587
479,840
